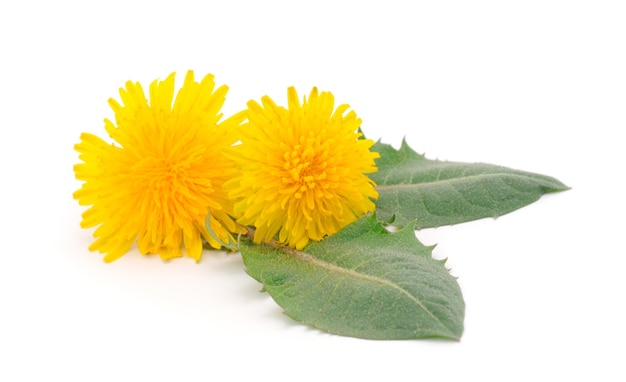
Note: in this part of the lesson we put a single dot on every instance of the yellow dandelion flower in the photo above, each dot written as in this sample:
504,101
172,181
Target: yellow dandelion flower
301,169
163,174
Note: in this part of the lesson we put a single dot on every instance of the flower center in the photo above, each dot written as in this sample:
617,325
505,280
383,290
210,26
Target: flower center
162,178
306,165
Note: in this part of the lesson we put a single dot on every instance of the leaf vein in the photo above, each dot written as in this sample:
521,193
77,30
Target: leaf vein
377,280
386,187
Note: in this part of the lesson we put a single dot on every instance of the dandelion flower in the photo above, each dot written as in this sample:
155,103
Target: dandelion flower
301,169
163,174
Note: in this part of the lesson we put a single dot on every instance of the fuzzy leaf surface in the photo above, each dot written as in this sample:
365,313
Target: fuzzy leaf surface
362,282
434,193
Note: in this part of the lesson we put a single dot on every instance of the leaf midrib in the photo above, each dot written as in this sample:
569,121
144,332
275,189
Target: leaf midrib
386,187
349,272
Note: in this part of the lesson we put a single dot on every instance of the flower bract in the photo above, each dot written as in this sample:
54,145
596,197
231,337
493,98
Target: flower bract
301,169
162,176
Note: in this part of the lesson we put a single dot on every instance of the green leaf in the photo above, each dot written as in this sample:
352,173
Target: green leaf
435,193
362,282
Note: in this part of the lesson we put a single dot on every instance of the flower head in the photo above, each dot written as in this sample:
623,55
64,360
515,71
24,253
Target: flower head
301,169
163,174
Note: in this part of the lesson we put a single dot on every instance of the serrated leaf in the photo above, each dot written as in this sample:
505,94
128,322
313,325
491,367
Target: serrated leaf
434,193
362,282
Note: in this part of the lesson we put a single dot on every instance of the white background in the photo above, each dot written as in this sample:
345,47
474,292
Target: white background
534,85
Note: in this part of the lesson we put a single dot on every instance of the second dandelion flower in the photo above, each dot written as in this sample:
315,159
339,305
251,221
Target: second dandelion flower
301,170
